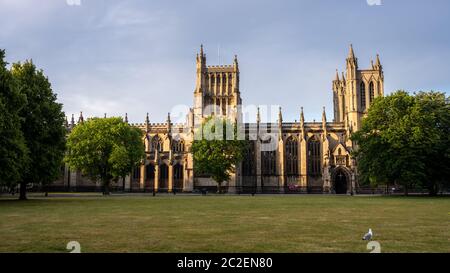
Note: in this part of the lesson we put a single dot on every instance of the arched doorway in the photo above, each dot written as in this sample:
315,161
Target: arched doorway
178,177
163,177
340,181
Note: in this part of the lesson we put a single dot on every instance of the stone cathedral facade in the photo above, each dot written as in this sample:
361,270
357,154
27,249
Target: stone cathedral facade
282,156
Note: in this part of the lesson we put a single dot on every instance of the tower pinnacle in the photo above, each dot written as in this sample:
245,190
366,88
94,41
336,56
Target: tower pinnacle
378,63
280,116
258,116
147,123
72,121
302,117
81,118
351,54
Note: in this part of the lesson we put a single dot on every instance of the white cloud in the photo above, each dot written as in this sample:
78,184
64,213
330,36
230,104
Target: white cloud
123,14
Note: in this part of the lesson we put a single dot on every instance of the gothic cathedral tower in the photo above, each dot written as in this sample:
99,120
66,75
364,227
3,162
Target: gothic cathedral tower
355,91
217,90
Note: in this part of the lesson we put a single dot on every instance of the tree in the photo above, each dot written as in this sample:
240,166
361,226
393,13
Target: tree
217,149
42,125
104,149
435,110
401,138
13,150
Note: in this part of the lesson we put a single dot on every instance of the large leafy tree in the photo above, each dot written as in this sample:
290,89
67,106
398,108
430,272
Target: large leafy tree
401,138
13,151
434,108
42,125
104,149
217,149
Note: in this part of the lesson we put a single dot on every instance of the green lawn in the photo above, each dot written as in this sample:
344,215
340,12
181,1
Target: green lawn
225,224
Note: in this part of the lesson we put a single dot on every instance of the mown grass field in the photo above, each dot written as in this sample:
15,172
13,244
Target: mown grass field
224,223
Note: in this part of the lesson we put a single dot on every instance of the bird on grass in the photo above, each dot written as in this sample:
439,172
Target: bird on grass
368,235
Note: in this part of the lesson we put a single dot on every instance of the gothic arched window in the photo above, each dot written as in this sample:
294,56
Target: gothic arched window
163,176
178,146
178,177
269,163
224,81
248,165
371,92
157,144
362,95
291,157
314,158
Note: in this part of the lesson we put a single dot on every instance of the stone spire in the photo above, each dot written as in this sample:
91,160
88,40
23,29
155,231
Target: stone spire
280,123
337,76
324,123
147,123
352,64
169,124
126,117
258,116
378,65
66,123
302,124
302,117
72,121
324,115
81,118
258,121
280,116
351,54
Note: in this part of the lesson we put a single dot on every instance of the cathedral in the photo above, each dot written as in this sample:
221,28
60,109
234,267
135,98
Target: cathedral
283,157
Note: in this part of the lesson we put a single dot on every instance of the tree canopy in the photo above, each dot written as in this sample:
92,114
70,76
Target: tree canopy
104,149
404,140
14,155
217,149
42,125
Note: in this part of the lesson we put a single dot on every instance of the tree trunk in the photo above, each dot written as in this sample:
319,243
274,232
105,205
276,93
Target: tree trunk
433,189
106,187
219,188
23,191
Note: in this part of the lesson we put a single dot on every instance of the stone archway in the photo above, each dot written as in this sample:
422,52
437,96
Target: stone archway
163,177
341,181
178,177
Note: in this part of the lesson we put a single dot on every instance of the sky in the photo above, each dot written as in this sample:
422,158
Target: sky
138,56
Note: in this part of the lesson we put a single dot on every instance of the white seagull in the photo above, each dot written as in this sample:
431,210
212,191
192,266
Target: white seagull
368,235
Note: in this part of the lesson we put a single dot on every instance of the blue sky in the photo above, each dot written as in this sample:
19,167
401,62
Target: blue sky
139,56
